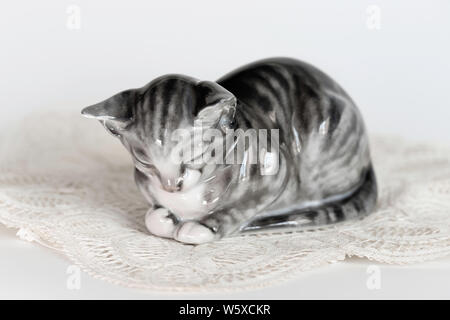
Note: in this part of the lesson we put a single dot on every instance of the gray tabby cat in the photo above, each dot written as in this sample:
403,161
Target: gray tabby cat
324,172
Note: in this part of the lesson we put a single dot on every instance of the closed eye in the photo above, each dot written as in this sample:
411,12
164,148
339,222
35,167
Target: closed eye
142,159
147,168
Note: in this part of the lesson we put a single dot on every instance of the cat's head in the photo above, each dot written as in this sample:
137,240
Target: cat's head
146,119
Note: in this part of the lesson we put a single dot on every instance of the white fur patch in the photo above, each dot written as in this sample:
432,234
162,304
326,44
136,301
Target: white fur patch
185,204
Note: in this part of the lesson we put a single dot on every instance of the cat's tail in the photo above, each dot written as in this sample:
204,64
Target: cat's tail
359,203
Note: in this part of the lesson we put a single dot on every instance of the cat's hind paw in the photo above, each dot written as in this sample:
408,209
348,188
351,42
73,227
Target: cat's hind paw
160,223
192,232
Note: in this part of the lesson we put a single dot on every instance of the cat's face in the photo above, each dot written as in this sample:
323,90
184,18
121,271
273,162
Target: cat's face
148,120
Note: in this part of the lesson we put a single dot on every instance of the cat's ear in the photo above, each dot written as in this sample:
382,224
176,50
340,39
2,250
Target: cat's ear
217,106
114,113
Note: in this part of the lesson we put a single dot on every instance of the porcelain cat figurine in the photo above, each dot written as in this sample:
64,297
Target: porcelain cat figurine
316,141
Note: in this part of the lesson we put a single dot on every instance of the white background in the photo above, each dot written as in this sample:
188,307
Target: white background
398,74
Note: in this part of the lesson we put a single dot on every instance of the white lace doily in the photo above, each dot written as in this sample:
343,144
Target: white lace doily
67,184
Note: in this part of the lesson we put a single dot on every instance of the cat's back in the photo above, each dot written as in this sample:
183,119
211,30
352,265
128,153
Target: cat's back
291,93
283,86
281,73
319,123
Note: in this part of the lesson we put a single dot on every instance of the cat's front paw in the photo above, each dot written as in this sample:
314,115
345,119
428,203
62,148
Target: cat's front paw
192,232
160,223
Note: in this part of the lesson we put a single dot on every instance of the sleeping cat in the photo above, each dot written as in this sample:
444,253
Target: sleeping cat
323,168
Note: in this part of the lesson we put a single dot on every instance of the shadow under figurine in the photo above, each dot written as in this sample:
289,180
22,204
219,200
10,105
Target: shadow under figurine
276,144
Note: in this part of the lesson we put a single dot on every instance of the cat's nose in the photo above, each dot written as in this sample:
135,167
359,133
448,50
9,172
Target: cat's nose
172,189
171,185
